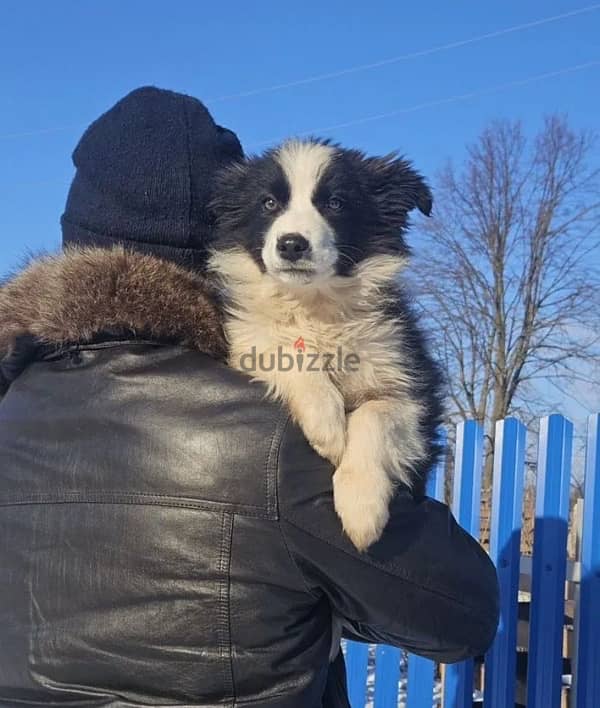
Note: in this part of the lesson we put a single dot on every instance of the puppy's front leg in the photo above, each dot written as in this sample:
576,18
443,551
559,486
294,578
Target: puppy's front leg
382,444
318,407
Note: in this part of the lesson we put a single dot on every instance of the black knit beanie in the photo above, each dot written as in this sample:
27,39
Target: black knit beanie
144,177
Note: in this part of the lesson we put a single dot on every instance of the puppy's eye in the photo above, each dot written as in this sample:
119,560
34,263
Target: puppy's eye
334,203
270,204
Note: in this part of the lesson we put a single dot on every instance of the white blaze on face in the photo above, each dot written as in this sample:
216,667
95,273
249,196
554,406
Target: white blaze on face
303,165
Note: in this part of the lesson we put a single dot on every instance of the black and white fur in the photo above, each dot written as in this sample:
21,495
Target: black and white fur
309,242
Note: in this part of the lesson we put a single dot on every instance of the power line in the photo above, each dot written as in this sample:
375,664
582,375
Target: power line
437,102
353,69
403,57
417,107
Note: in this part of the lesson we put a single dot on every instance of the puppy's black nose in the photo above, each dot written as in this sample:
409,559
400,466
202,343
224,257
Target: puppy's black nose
292,247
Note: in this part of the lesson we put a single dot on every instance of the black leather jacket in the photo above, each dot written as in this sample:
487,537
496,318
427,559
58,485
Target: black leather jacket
167,537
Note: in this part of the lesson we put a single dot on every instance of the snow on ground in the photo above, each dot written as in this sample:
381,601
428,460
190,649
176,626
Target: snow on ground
436,698
437,693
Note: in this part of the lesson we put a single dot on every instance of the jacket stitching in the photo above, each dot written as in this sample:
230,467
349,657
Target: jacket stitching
135,499
229,631
126,495
10,703
224,610
272,462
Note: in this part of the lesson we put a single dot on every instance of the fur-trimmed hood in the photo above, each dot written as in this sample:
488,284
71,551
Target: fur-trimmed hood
82,294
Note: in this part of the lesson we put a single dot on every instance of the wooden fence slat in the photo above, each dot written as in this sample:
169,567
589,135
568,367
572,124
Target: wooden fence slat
587,670
505,545
458,681
357,658
544,666
387,676
421,670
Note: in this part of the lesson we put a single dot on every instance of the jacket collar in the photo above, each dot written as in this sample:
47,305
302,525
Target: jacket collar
81,294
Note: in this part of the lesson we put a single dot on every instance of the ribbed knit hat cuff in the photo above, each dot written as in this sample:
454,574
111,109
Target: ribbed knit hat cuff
76,235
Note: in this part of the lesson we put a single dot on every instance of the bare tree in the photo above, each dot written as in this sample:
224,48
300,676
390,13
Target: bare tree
507,269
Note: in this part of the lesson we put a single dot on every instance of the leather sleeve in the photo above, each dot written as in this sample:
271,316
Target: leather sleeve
426,585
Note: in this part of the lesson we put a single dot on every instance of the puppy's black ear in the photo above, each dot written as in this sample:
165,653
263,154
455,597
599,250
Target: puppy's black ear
398,187
226,188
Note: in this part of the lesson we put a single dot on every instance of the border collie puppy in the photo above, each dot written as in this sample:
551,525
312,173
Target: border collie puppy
309,249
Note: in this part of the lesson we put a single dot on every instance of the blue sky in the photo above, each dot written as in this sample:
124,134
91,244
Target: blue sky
64,62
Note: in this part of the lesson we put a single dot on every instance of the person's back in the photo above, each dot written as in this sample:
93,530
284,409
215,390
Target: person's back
167,536
141,523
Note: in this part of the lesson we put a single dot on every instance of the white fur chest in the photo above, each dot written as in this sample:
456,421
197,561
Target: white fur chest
339,329
359,349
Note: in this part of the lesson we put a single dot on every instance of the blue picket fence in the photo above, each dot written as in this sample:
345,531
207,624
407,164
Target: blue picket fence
548,576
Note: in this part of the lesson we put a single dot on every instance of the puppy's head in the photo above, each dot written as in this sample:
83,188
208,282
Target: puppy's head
307,210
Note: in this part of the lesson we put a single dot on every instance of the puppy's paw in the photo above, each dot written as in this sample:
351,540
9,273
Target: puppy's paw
331,447
362,504
323,421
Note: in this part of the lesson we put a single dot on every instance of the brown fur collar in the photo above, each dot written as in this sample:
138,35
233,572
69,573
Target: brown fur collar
77,295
